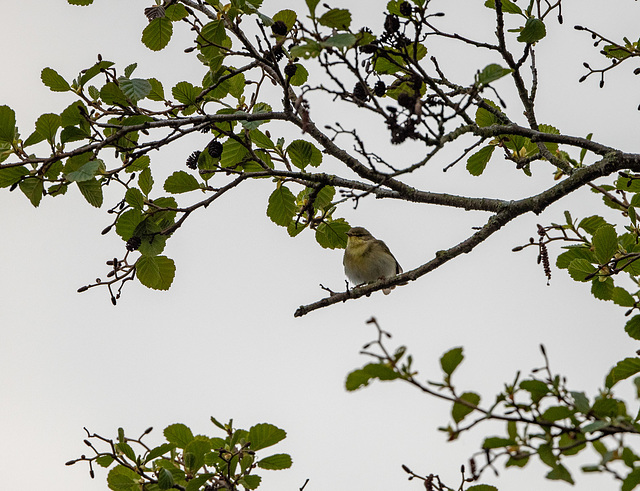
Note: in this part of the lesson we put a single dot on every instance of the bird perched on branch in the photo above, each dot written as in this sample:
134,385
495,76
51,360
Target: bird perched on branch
367,259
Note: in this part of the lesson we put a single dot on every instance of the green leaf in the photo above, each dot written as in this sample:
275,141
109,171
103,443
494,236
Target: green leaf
536,388
7,124
92,192
579,252
491,73
121,478
602,290
632,328
632,480
135,88
134,198
11,175
157,91
595,426
250,481
340,40
53,80
176,12
156,272
127,223
605,407
477,162
460,411
94,70
80,2
336,18
605,242
165,479
186,93
145,181
233,152
624,369
180,182
332,234
560,473
287,16
557,413
85,172
159,451
362,377
126,449
261,140
140,163
591,224
47,126
276,462
111,94
482,487
534,30
265,435
312,4
484,117
581,269
581,402
303,153
157,34
450,360
497,442
33,189
282,206
300,77
104,460
508,7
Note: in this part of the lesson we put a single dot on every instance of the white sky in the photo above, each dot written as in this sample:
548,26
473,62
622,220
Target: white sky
223,340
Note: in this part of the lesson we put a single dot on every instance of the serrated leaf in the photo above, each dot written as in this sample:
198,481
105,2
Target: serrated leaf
300,77
602,290
233,153
623,370
85,172
140,163
632,328
450,360
459,411
482,487
276,462
127,223
11,175
631,481
605,242
53,80
250,481
581,269
165,478
491,73
336,18
91,72
7,124
265,435
121,478
536,388
333,234
561,473
104,460
533,31
312,6
557,413
176,12
135,88
92,192
497,442
508,7
111,94
186,93
157,34
484,117
303,153
159,451
134,198
287,16
47,126
156,272
282,206
180,182
261,140
477,162
581,402
33,189
157,91
145,181
580,252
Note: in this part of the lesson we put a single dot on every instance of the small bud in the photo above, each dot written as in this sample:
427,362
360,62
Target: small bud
517,249
71,462
92,474
83,289
544,351
578,28
406,469
636,71
87,443
586,65
190,49
113,300
560,20
106,230
148,430
601,83
582,79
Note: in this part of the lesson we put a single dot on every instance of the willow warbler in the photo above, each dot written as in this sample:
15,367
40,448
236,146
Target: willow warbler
367,259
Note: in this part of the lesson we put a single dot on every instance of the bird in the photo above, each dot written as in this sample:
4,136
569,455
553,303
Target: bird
367,259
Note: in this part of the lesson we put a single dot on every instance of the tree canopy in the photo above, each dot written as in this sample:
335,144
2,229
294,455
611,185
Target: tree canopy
321,115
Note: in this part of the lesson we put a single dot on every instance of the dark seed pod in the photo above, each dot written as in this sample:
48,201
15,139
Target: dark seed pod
406,101
391,23
379,88
405,9
154,12
279,28
215,149
133,243
360,92
290,70
368,48
192,160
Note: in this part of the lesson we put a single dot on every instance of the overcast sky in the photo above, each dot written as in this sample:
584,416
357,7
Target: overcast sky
223,341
